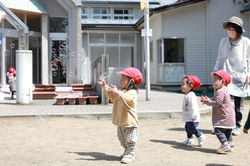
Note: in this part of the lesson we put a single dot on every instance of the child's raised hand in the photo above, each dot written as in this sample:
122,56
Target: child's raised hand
245,131
101,81
204,99
114,89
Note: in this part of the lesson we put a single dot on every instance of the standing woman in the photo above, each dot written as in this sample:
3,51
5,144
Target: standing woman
233,57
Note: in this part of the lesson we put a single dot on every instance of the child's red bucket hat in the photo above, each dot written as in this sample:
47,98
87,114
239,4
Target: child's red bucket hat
224,75
132,73
194,80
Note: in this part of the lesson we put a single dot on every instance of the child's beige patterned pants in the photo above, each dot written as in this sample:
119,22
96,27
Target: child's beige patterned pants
128,137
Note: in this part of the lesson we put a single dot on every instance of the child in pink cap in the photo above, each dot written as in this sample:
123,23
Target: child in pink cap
223,115
190,109
124,114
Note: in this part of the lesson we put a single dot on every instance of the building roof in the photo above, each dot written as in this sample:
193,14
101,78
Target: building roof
156,2
24,5
176,4
167,7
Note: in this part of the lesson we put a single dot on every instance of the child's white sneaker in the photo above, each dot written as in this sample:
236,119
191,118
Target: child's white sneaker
189,141
201,140
224,148
128,158
236,131
124,154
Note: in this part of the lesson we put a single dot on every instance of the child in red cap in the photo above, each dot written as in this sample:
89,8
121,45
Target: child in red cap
12,81
124,113
190,109
223,115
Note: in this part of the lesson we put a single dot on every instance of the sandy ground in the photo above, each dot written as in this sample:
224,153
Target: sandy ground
65,141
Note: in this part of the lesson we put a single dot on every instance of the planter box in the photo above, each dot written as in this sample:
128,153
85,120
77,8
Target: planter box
93,99
60,100
82,100
71,100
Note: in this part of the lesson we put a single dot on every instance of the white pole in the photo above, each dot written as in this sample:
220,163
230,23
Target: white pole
3,74
24,76
147,50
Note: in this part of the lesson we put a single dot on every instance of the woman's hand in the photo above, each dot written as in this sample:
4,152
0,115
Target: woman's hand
245,131
248,79
101,81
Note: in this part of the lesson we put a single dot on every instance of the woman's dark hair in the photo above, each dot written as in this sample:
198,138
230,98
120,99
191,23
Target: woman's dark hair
237,28
189,83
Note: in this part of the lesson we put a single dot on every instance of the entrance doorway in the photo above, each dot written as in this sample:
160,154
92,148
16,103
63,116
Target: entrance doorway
59,61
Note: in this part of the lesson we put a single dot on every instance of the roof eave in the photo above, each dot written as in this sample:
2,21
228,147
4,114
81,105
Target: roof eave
112,2
175,5
167,8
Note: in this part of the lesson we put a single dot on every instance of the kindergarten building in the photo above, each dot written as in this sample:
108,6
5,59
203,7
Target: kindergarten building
68,38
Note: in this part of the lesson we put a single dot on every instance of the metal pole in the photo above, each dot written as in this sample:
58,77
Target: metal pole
3,74
105,66
147,50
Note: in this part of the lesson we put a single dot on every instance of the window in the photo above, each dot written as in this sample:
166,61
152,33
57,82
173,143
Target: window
101,13
97,38
126,56
127,38
58,24
113,53
119,46
85,12
112,38
171,50
123,14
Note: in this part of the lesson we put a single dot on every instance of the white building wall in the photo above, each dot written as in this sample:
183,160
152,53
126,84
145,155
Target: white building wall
156,26
189,23
217,13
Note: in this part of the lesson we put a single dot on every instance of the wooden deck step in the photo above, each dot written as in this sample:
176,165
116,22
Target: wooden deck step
43,95
81,85
44,91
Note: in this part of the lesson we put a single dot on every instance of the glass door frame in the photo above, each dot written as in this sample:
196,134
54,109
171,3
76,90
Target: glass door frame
57,37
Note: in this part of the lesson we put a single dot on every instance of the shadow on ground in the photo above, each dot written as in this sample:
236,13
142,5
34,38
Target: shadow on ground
178,145
217,164
93,156
183,129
